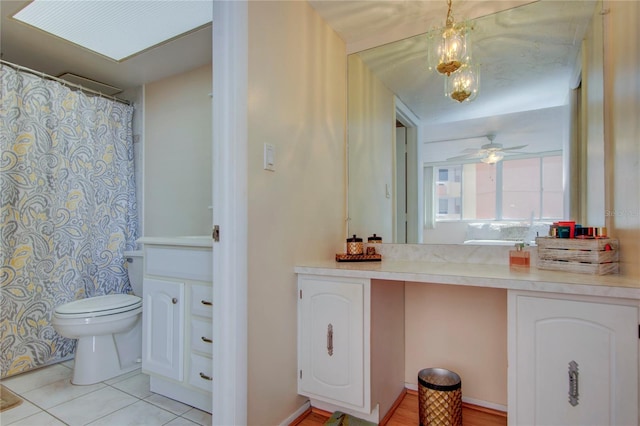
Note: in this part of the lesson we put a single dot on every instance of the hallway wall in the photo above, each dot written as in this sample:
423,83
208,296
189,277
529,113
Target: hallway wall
297,103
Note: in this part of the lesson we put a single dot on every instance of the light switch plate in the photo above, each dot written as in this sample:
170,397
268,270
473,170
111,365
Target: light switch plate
269,157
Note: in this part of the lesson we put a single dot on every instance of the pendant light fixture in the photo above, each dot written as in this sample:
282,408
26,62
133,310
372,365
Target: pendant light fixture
450,54
448,50
463,85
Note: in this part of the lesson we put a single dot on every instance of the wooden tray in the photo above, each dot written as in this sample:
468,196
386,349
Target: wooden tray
342,257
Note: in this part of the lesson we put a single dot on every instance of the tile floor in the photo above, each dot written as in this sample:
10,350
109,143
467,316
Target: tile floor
51,399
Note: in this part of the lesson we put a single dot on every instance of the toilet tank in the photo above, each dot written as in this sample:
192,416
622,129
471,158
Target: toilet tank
134,268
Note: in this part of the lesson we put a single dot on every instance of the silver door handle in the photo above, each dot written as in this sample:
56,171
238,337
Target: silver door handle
573,384
330,339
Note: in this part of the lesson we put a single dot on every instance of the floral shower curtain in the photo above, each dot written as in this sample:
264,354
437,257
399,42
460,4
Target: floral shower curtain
68,210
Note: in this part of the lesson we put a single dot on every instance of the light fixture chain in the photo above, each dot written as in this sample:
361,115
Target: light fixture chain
449,22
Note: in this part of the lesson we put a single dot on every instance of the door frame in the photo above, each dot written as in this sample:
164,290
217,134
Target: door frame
230,171
415,206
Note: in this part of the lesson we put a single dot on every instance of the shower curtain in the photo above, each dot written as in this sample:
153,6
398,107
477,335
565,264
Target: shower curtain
68,210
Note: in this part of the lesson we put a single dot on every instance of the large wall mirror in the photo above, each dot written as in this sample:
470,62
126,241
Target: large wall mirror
416,169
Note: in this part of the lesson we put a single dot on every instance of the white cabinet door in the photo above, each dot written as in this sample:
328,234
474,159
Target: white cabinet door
600,338
163,328
331,340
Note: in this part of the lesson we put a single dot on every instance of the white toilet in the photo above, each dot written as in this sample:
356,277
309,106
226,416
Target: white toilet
108,329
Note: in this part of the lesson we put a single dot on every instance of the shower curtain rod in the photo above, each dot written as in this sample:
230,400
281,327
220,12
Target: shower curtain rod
63,82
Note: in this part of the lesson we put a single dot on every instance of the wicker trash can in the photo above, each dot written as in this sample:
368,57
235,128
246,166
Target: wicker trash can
439,397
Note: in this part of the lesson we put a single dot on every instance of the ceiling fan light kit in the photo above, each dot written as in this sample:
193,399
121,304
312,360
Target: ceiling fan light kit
450,54
492,157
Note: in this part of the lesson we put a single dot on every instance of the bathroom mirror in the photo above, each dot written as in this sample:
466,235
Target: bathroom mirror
408,143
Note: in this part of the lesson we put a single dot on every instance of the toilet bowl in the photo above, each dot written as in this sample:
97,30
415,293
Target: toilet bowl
108,329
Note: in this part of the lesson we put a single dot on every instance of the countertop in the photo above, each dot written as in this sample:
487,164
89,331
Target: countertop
186,241
479,275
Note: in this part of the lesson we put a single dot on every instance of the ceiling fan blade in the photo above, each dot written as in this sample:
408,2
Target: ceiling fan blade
470,150
467,156
513,148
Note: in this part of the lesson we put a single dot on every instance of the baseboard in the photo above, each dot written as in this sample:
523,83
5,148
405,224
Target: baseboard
298,415
393,408
497,409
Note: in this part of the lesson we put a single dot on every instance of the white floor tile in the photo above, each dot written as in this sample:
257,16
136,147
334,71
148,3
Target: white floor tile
93,406
35,379
137,385
59,392
51,399
168,404
123,377
140,413
181,421
23,410
69,364
41,419
201,417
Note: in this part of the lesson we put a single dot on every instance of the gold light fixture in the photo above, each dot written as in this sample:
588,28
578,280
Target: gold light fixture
450,54
448,51
463,85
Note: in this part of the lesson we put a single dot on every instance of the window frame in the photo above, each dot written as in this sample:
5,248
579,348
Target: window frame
431,204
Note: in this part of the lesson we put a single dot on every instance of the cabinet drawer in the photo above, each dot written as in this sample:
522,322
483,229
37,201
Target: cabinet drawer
200,374
202,300
193,264
201,335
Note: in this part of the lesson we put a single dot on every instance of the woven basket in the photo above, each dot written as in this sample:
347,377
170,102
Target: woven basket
439,397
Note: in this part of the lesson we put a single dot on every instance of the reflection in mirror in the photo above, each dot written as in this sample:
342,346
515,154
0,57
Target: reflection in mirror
426,169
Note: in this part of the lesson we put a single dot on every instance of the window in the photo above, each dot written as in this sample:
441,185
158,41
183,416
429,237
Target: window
518,189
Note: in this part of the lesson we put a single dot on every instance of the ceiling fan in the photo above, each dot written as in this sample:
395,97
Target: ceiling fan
489,153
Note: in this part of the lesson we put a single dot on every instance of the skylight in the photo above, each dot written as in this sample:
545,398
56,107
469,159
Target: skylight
117,29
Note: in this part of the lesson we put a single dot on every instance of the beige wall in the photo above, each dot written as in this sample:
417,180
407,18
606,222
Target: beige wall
371,152
177,155
463,329
622,130
297,102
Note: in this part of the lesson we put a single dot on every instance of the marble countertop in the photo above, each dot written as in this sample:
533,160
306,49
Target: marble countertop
186,241
479,275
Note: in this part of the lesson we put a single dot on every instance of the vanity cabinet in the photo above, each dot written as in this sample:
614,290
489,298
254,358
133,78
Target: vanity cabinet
163,322
342,364
573,360
177,322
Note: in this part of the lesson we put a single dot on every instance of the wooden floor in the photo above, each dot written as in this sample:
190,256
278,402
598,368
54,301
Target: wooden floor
407,415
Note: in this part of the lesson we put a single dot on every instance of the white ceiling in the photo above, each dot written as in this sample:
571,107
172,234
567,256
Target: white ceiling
528,51
542,42
35,49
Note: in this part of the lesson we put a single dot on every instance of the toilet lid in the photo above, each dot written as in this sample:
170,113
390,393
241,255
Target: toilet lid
100,305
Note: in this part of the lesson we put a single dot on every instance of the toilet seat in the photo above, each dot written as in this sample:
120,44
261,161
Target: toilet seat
99,306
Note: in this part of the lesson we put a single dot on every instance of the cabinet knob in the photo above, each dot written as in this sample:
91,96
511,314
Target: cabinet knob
204,376
174,300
